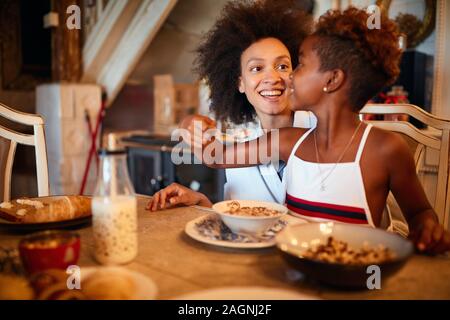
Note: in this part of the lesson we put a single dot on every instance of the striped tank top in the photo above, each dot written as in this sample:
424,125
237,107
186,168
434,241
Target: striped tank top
342,200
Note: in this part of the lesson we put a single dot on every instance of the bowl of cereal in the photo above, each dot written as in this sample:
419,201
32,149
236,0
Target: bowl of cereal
249,216
343,255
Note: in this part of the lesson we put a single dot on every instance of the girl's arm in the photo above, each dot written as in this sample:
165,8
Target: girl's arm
425,230
262,150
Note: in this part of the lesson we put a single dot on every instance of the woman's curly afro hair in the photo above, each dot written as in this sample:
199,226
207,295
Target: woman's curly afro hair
370,58
241,24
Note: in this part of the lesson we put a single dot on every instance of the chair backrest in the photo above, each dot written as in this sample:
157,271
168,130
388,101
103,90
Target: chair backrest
436,136
10,139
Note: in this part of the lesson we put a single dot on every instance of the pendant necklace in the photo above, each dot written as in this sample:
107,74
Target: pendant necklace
322,180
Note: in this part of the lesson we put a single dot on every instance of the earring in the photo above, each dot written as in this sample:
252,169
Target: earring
325,89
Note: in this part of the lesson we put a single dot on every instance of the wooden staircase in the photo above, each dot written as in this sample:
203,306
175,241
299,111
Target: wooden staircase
118,33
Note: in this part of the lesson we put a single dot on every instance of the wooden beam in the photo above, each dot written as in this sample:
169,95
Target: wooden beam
137,37
66,45
105,36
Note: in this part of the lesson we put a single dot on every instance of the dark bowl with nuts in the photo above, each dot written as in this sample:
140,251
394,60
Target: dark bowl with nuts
343,255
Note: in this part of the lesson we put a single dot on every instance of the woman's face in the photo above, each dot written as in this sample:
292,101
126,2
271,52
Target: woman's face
265,69
307,81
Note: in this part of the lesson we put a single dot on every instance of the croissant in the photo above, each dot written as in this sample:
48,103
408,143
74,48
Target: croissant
46,209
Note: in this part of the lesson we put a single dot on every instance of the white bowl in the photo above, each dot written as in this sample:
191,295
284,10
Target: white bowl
253,225
294,240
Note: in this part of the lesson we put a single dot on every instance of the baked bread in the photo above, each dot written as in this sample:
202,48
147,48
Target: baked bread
52,285
108,284
46,209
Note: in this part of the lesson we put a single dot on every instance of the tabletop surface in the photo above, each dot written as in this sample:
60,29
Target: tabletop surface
181,265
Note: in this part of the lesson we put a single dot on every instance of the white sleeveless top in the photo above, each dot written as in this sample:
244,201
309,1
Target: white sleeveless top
344,198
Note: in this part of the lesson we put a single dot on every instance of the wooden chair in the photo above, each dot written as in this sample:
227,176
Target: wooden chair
436,136
10,139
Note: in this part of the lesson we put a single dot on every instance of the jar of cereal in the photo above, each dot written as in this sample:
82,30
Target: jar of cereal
114,211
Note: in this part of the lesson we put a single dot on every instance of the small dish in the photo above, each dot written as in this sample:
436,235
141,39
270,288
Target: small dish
144,288
249,224
212,237
49,250
246,293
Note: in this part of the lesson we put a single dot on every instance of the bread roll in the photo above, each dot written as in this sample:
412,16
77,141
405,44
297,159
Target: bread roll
108,285
46,209
52,285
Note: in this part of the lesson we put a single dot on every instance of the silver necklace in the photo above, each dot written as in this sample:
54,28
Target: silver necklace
322,180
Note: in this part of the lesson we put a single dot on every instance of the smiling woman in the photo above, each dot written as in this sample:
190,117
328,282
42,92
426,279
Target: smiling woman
266,66
246,59
242,26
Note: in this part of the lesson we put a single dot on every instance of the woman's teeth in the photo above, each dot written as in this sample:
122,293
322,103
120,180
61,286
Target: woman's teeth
271,93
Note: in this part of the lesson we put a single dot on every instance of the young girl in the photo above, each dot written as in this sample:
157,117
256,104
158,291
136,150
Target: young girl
343,169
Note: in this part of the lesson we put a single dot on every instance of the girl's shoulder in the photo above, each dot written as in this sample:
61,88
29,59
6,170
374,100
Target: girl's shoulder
387,144
288,137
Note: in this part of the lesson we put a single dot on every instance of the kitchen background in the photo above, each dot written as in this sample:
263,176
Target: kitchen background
131,59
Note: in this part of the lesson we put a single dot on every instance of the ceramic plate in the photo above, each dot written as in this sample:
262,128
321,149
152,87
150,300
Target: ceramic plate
192,230
246,293
146,289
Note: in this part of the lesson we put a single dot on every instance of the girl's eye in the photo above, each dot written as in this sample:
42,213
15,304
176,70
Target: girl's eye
283,67
255,69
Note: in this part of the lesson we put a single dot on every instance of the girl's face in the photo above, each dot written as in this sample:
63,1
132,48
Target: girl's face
265,69
307,81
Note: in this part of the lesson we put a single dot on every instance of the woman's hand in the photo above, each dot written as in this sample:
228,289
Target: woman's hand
176,194
428,235
197,127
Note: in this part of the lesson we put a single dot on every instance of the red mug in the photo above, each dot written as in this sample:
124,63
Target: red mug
49,250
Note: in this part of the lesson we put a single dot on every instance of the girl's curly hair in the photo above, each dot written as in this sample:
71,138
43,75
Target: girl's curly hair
369,57
241,24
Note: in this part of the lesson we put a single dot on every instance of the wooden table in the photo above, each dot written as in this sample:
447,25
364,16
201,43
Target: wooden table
181,265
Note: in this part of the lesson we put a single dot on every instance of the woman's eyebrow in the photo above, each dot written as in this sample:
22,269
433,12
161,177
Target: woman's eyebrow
283,57
262,59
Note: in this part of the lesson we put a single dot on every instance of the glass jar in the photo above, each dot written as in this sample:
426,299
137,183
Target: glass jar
114,211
